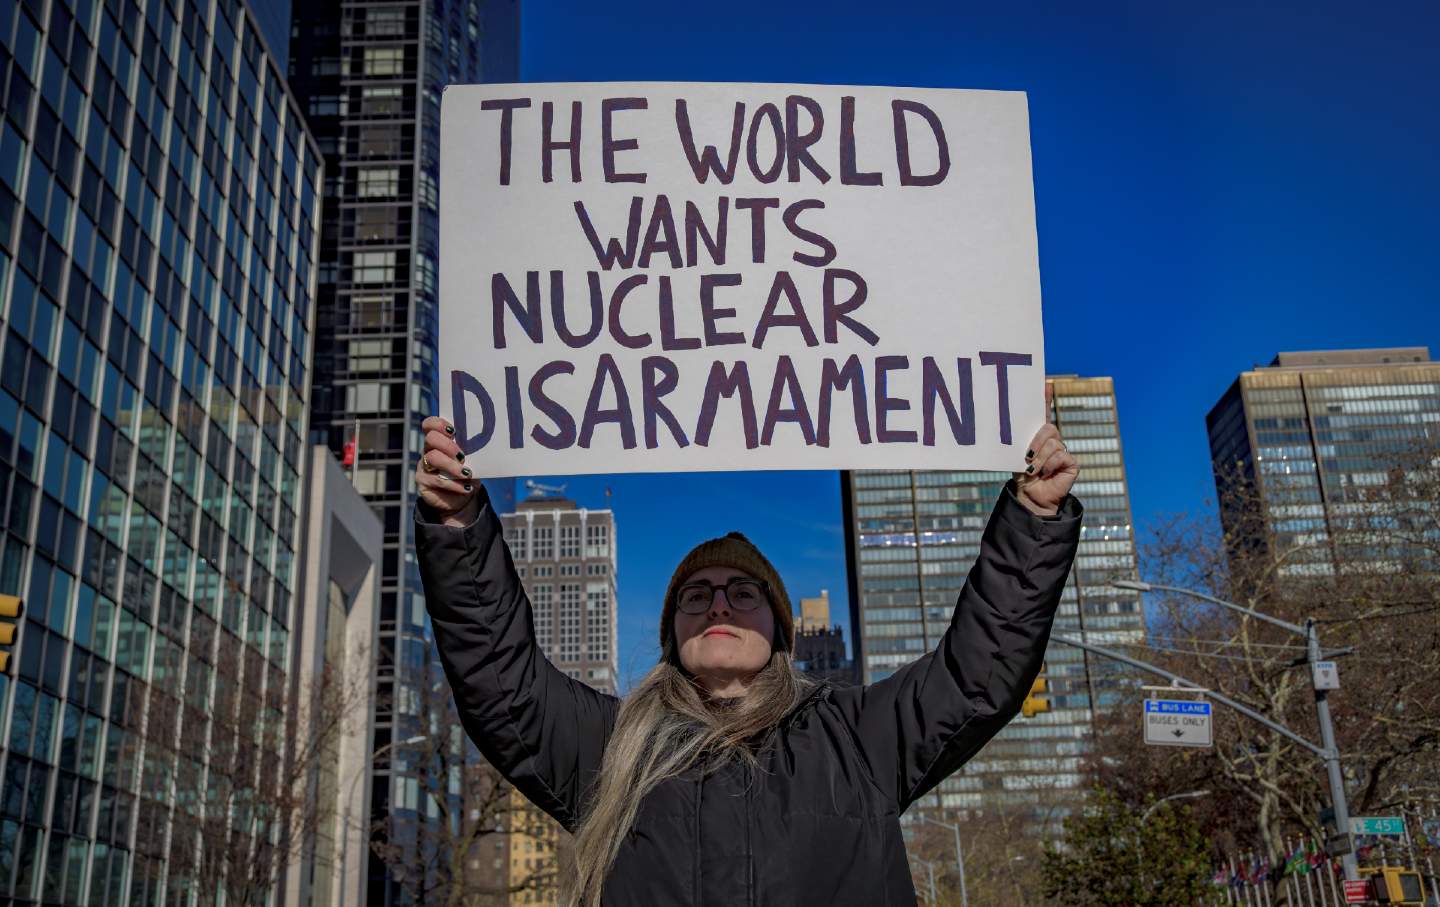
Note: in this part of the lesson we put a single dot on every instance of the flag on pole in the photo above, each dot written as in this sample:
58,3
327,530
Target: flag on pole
348,458
1297,861
1219,880
1315,857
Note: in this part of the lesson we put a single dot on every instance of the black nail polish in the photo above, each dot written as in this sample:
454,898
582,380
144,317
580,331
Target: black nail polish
469,488
459,457
449,429
465,471
1029,454
1030,468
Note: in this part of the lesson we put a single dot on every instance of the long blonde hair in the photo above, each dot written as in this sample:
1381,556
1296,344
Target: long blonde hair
663,728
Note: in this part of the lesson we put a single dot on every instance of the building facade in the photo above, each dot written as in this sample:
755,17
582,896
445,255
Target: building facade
912,537
159,198
815,612
566,557
1297,445
371,76
334,644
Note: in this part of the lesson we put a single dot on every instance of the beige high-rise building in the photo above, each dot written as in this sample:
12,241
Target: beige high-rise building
565,555
815,612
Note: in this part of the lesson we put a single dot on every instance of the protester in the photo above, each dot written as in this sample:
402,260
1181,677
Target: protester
725,777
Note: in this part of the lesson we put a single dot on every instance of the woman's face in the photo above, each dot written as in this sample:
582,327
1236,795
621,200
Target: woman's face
725,645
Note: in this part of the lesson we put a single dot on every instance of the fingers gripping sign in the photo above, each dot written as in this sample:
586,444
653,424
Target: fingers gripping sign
442,479
1050,469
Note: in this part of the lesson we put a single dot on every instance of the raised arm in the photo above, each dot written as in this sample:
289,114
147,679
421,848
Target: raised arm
543,730
923,722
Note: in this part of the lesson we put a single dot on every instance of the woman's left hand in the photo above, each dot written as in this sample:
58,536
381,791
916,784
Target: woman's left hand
1050,473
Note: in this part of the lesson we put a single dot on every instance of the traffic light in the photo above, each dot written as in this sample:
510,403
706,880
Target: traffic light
1397,885
1034,704
10,609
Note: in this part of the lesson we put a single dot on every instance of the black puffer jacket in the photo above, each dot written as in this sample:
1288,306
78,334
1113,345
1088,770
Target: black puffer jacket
820,824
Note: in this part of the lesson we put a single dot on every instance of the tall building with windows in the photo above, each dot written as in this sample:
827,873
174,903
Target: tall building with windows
371,75
566,557
912,537
1297,445
159,199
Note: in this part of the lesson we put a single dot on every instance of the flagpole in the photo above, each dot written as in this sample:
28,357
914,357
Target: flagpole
355,459
1330,874
1309,883
1265,878
1307,843
1294,882
1285,879
1299,890
1245,865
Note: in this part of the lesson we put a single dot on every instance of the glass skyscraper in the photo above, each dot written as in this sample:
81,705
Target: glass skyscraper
1296,445
158,222
371,75
912,538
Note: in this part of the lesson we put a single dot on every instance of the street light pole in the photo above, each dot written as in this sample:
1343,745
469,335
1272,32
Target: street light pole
1328,751
350,795
1185,796
930,868
959,856
1332,754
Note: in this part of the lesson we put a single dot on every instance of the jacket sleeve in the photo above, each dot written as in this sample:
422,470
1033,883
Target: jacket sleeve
923,722
544,731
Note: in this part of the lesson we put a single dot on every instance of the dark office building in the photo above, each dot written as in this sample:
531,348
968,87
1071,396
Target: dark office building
159,196
1298,445
912,538
820,653
371,76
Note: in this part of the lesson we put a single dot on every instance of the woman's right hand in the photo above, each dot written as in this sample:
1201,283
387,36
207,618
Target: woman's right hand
443,482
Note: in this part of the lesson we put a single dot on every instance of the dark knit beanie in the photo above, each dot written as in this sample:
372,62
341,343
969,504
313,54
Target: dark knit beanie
733,550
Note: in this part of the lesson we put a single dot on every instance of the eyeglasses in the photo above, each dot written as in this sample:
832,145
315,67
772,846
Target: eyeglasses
742,594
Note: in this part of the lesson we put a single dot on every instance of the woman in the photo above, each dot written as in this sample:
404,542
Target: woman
726,777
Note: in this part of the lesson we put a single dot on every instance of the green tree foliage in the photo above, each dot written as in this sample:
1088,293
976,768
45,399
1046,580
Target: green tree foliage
1113,856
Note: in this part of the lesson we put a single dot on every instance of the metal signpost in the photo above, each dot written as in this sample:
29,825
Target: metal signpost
1357,891
1387,826
1323,676
1177,722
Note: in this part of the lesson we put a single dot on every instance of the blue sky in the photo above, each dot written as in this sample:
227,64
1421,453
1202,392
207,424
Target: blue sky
1209,190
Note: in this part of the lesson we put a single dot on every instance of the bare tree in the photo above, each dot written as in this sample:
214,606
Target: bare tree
444,851
228,797
1364,563
1002,859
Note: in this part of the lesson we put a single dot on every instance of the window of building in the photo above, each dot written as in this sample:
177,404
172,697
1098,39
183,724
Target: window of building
369,355
384,61
597,540
569,541
373,267
543,540
385,22
378,182
380,141
515,538
370,479
381,100
374,223
366,398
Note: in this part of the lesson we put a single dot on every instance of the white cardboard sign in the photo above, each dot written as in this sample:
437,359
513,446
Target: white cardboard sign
648,277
